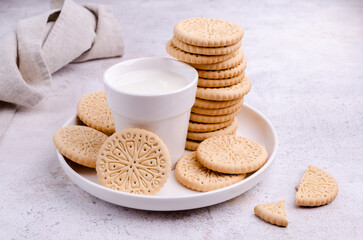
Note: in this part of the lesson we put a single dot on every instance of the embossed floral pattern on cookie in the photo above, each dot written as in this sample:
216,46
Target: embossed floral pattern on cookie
135,161
190,173
272,213
93,110
208,32
316,188
79,143
231,154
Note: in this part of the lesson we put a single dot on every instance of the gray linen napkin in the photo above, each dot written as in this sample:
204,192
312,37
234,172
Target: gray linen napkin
43,44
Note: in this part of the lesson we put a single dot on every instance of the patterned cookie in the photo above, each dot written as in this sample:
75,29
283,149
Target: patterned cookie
212,119
218,112
208,32
191,145
206,50
134,160
207,127
194,58
202,103
191,174
93,110
236,59
231,154
225,93
229,130
272,213
212,83
222,74
79,143
316,188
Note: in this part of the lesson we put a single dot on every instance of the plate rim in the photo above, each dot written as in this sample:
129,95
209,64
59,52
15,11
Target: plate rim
270,160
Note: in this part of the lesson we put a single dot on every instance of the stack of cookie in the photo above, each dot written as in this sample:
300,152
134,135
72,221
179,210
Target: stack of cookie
212,46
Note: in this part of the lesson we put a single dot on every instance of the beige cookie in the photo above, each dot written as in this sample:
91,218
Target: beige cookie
207,127
79,143
272,213
316,188
225,73
225,93
191,145
236,59
202,103
191,174
231,154
134,160
218,112
229,130
213,83
206,50
212,119
194,58
208,32
93,110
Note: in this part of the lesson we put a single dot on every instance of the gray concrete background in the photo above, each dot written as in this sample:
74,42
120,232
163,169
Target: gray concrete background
305,61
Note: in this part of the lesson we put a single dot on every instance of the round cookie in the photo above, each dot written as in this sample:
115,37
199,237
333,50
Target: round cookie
194,58
79,144
231,154
208,32
316,188
207,127
218,112
206,50
202,103
225,93
134,160
190,173
236,59
229,130
191,145
225,73
212,119
93,110
212,83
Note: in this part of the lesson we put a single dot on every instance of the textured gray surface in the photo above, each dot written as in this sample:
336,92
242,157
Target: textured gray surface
305,63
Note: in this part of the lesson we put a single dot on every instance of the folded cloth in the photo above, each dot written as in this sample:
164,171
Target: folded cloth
43,44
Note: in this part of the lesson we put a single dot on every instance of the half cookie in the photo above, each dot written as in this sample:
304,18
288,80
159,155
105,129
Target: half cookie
316,188
272,213
135,161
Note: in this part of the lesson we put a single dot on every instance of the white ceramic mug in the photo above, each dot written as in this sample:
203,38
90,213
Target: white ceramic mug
165,114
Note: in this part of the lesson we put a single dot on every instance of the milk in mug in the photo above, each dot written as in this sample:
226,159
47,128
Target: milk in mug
150,82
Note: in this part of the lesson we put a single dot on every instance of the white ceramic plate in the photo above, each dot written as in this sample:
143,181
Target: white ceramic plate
173,196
